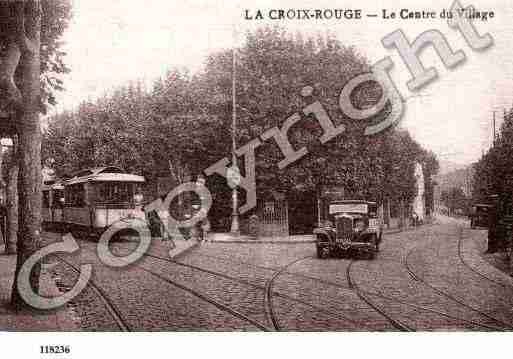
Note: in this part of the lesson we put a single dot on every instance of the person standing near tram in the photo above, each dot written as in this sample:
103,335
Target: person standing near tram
202,226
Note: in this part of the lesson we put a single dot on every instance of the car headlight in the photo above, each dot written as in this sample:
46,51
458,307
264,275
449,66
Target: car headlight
138,198
359,226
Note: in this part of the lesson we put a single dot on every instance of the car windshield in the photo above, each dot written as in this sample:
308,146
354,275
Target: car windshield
348,208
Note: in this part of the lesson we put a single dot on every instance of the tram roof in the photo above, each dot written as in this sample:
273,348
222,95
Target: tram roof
103,174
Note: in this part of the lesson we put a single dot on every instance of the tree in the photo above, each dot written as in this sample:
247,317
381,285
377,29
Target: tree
455,200
31,62
494,171
185,119
10,174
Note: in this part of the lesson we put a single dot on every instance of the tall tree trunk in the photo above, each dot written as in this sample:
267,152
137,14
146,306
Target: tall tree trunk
12,206
29,137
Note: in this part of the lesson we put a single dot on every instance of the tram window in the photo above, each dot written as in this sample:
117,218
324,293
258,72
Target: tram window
75,195
46,199
114,192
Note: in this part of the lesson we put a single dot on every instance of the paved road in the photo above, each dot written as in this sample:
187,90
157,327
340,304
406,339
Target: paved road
428,279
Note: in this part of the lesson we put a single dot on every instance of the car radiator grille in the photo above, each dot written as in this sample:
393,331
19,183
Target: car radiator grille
344,228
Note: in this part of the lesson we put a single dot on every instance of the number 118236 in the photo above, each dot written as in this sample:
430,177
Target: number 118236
55,349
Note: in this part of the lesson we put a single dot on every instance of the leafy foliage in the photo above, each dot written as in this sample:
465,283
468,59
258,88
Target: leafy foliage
455,200
185,120
56,18
494,171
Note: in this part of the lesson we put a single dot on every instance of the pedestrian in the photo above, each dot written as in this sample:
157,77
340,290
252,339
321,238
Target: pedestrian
3,222
205,228
414,219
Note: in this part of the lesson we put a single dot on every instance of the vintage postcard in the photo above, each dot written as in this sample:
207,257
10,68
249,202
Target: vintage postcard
259,166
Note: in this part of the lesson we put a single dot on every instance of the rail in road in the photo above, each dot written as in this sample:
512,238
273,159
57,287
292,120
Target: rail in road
364,295
270,292
103,296
204,297
474,270
502,325
394,321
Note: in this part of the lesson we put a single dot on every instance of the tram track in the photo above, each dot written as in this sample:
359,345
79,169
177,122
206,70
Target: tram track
336,315
365,294
197,294
474,270
268,303
104,298
207,299
270,293
267,289
405,261
352,285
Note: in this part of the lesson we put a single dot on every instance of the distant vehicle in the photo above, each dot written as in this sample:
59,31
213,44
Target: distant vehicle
92,200
479,215
349,225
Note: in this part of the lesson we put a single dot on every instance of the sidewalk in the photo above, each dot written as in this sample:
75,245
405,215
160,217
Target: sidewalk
493,265
230,238
307,238
54,320
474,243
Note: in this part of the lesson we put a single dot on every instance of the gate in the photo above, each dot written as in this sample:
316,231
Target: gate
273,218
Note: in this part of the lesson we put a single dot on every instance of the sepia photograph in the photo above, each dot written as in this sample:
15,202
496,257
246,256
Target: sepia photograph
205,167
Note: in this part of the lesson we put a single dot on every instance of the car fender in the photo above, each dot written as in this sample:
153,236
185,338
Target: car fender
321,232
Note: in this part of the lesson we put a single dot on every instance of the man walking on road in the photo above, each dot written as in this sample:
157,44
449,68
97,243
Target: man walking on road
3,222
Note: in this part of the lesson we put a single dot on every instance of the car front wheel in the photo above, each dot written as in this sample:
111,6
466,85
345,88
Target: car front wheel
322,252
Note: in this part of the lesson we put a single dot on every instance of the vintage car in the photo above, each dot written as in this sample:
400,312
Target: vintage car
349,225
479,215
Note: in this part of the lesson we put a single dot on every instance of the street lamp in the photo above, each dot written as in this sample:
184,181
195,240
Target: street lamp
233,173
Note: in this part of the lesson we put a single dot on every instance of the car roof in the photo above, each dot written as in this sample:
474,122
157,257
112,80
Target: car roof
482,205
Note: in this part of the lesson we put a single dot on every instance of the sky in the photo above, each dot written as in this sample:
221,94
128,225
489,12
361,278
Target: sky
112,42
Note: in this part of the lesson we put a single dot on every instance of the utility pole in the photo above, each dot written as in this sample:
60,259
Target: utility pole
493,130
235,229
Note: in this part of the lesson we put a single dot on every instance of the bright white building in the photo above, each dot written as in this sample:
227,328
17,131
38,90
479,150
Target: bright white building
419,206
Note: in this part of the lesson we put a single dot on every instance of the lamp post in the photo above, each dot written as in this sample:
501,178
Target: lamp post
233,171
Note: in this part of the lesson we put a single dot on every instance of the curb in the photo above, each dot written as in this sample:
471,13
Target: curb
252,240
472,254
269,241
256,241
